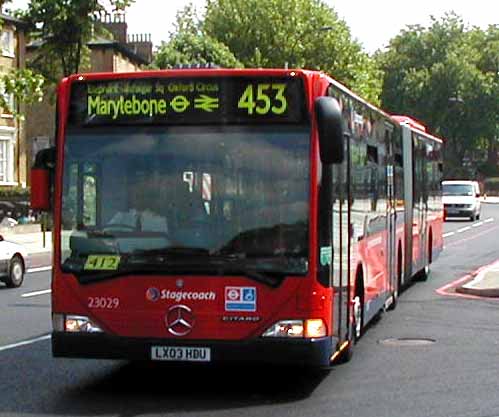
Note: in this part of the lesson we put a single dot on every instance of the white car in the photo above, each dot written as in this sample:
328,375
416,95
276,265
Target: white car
461,199
13,263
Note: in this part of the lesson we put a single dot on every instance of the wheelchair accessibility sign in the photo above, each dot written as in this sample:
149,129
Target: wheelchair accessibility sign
240,299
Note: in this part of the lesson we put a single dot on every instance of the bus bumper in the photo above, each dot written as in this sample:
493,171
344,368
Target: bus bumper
303,352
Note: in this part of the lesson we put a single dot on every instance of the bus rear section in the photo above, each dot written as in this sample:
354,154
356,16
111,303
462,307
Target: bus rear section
183,221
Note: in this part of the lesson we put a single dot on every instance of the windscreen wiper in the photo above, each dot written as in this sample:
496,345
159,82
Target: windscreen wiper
176,268
272,279
215,265
173,251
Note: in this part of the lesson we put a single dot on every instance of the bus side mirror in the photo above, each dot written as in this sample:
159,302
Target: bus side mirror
40,179
329,125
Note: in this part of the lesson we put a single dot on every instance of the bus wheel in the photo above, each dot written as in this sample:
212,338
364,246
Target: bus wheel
398,282
425,272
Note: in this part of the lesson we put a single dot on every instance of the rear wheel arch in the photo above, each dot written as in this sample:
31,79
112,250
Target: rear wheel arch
359,280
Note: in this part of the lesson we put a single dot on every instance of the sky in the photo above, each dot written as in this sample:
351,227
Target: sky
372,23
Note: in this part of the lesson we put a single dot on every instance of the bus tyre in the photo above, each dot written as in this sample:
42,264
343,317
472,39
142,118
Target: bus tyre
423,274
16,273
395,296
398,283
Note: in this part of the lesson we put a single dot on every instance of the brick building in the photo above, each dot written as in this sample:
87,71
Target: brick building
13,164
121,53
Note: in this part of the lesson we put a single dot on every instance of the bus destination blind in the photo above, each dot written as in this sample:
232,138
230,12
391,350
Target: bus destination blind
186,101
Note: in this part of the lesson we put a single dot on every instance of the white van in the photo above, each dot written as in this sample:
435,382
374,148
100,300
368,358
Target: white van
461,199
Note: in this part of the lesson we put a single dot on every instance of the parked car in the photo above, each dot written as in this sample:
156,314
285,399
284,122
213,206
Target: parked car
461,199
13,262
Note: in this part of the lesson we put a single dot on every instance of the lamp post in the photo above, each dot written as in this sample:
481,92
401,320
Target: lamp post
455,104
321,29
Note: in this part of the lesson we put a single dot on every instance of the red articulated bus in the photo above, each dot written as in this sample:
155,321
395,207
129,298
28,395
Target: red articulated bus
216,215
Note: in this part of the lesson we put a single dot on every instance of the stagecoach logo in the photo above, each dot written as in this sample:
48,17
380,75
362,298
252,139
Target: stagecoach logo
179,320
153,294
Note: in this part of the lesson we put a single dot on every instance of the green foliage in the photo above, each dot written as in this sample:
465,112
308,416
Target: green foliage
17,192
491,186
24,85
63,28
189,48
272,34
488,170
189,44
296,33
446,76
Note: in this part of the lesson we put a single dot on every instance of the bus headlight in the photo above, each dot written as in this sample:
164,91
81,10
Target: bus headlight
310,328
74,324
315,328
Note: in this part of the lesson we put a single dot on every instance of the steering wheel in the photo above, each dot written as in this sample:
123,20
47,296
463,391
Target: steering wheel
118,226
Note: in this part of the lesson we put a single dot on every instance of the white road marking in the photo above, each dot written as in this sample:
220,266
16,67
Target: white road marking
35,293
25,342
463,229
42,269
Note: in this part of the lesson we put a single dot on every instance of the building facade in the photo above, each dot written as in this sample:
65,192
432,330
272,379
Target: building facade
120,53
13,158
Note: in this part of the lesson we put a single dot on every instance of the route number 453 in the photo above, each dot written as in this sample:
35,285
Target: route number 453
264,99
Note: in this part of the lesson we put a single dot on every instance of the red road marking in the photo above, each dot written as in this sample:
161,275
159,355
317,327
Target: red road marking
445,290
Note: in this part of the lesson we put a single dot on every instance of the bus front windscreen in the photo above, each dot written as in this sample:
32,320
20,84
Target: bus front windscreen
207,200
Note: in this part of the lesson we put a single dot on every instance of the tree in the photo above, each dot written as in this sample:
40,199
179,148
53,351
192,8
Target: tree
438,75
188,44
296,33
23,85
487,42
272,33
62,29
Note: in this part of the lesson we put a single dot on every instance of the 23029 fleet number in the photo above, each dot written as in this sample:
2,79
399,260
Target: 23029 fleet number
103,302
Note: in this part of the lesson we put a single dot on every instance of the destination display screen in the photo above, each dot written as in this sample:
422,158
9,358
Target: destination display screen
187,101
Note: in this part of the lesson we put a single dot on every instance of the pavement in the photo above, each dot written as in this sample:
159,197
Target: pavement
491,199
483,282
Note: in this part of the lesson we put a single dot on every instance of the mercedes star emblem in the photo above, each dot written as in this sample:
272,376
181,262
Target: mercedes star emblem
179,320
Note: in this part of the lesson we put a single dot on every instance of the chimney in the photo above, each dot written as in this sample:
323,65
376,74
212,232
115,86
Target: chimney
141,44
116,24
